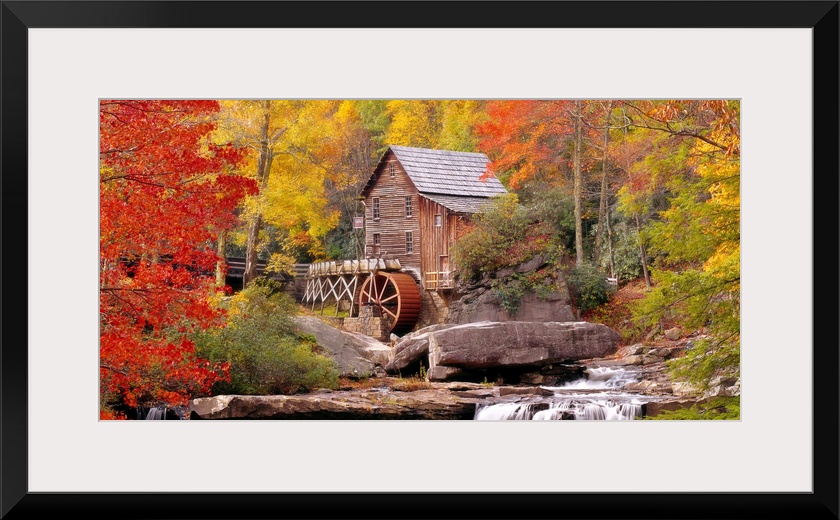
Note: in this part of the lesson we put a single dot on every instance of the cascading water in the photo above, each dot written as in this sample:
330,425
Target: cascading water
162,412
603,377
596,398
157,413
594,411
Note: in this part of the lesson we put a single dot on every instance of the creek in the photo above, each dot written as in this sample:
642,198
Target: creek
596,397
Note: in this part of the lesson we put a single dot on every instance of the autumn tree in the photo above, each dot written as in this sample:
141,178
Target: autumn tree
164,199
347,163
413,122
284,139
529,140
605,194
697,238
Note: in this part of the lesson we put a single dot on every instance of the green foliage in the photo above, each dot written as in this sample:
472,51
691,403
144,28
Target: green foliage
707,359
698,300
507,234
510,293
720,408
556,210
588,287
498,229
340,243
628,264
697,273
267,286
265,352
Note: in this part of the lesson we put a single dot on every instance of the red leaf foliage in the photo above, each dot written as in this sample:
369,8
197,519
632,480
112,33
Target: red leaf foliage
525,136
164,198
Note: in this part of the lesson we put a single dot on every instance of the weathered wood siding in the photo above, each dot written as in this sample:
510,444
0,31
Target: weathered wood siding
393,223
436,241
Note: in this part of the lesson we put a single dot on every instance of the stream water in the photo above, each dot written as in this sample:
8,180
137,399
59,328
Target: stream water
596,397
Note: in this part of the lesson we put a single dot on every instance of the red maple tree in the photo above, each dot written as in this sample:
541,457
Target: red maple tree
525,138
165,195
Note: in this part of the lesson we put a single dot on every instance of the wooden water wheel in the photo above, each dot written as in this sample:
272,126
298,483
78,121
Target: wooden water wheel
396,296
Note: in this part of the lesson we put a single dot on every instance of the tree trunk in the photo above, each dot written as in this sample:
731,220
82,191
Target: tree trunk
263,169
643,253
603,206
578,184
610,245
220,263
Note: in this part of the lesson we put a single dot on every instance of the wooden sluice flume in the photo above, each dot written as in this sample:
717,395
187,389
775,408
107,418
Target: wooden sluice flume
373,284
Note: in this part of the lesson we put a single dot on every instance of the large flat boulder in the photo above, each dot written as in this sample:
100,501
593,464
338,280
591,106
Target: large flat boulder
518,344
411,347
406,352
432,403
356,355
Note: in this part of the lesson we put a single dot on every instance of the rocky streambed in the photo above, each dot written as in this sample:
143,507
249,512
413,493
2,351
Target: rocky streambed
619,387
482,371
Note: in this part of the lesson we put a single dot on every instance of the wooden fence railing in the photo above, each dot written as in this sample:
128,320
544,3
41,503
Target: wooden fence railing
435,280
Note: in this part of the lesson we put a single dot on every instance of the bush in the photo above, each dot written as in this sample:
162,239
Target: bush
588,287
497,229
556,210
506,234
721,408
265,352
510,294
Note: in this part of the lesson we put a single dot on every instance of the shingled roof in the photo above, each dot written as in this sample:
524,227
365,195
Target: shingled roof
458,204
445,172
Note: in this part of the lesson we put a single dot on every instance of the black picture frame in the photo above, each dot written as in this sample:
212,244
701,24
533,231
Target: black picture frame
19,16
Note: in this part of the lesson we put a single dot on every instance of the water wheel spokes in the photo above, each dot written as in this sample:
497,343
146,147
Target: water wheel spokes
396,296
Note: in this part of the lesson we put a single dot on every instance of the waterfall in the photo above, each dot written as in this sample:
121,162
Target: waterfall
603,378
156,414
504,412
574,401
580,409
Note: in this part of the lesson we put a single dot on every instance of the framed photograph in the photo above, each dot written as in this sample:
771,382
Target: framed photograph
778,59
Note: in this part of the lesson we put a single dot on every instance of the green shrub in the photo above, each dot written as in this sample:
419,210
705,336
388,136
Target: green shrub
497,229
270,286
588,287
265,352
556,210
706,359
506,234
510,294
721,408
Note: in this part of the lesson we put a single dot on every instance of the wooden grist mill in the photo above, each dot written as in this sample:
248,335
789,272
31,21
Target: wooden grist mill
372,289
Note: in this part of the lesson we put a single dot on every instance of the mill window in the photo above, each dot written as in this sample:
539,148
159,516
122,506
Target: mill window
376,208
408,206
392,170
409,242
438,221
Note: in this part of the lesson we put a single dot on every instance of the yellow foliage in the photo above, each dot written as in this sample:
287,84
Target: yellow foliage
414,122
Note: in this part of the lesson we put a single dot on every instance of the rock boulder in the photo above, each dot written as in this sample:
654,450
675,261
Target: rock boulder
420,404
356,354
519,344
486,306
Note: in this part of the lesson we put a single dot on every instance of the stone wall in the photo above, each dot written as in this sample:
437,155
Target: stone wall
373,327
434,308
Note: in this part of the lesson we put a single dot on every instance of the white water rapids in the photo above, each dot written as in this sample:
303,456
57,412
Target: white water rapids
597,397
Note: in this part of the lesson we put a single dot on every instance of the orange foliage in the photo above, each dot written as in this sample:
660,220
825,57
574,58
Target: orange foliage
163,202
